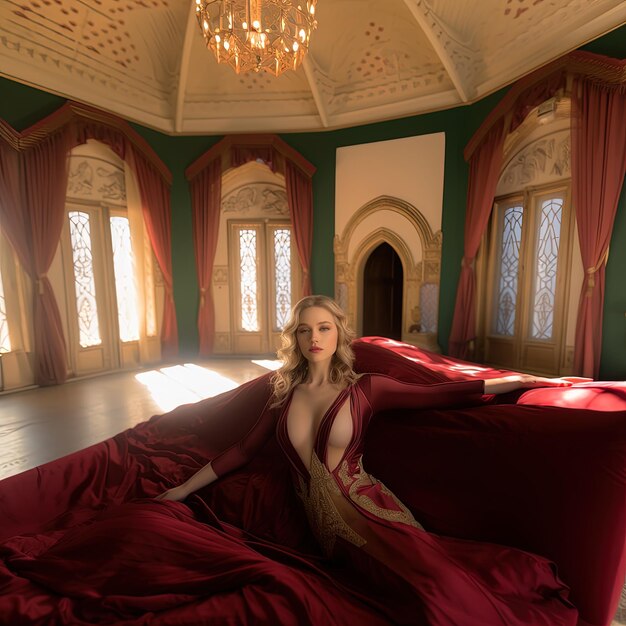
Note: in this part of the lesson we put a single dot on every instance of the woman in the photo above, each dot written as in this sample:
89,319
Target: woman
320,410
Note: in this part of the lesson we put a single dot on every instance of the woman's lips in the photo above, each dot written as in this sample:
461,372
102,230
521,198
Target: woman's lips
315,349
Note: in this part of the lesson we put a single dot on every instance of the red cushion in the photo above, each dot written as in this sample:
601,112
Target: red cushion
599,396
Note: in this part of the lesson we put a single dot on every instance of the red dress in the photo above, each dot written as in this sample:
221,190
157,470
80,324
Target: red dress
418,577
143,562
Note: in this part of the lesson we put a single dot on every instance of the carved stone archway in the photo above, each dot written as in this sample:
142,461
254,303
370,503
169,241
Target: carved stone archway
419,267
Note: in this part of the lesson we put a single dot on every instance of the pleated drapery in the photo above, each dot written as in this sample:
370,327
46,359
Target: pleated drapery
32,209
206,192
155,199
598,170
484,174
300,200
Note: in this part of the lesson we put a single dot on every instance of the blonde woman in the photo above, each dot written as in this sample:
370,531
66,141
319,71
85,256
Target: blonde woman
319,412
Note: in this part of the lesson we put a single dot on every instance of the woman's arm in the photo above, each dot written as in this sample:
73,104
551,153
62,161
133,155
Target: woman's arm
201,478
522,381
387,393
230,459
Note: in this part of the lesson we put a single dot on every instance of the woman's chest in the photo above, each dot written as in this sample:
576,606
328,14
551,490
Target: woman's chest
319,423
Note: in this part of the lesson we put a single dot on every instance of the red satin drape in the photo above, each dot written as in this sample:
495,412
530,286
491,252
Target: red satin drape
206,194
11,214
156,209
598,169
484,174
240,155
300,200
35,237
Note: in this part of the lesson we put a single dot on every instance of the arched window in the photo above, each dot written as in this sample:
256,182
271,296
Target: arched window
256,276
528,258
104,275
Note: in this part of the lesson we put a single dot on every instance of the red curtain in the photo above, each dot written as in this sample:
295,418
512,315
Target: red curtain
206,198
300,200
11,214
598,169
240,155
44,182
483,178
155,200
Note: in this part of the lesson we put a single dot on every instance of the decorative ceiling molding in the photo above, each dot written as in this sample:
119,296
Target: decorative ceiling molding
456,58
309,70
146,61
183,73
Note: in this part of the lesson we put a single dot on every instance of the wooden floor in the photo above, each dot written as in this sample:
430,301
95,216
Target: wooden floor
43,424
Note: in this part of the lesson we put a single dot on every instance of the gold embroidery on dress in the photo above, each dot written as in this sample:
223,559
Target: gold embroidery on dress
354,482
324,518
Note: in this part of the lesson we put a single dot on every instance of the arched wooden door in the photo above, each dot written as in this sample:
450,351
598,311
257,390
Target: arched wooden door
382,293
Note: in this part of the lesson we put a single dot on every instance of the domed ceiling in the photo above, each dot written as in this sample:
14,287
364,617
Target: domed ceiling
369,60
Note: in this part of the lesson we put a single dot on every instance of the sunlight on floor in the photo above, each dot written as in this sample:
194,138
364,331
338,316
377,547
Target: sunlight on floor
268,364
180,384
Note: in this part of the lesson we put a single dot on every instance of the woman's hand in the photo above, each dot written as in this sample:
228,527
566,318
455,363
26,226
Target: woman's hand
175,494
522,381
529,381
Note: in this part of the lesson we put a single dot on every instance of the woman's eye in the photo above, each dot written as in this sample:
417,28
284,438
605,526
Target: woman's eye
324,328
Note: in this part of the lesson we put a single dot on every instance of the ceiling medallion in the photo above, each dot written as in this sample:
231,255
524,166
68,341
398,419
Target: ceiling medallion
257,35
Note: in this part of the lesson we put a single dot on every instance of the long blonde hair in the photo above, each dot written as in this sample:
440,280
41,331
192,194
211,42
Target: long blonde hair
295,366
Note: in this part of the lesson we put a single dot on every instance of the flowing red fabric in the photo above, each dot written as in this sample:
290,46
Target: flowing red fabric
81,543
44,182
483,178
156,205
300,200
206,198
598,169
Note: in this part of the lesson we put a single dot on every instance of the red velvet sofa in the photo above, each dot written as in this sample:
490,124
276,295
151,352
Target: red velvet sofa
542,472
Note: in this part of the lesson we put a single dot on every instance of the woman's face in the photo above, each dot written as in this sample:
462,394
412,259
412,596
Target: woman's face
317,334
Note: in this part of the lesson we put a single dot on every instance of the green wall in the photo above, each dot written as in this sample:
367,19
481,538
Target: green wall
21,106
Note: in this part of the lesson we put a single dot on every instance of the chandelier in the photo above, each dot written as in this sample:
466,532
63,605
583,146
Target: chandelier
257,35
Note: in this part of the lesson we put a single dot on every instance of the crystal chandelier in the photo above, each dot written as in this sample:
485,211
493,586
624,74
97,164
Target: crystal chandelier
257,35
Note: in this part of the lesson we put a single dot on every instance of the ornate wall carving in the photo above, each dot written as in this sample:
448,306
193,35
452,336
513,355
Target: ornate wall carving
542,161
96,179
220,275
264,198
418,273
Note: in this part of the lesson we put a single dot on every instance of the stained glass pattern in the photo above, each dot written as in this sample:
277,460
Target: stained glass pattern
248,280
546,255
282,276
429,299
508,271
125,288
84,282
5,341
